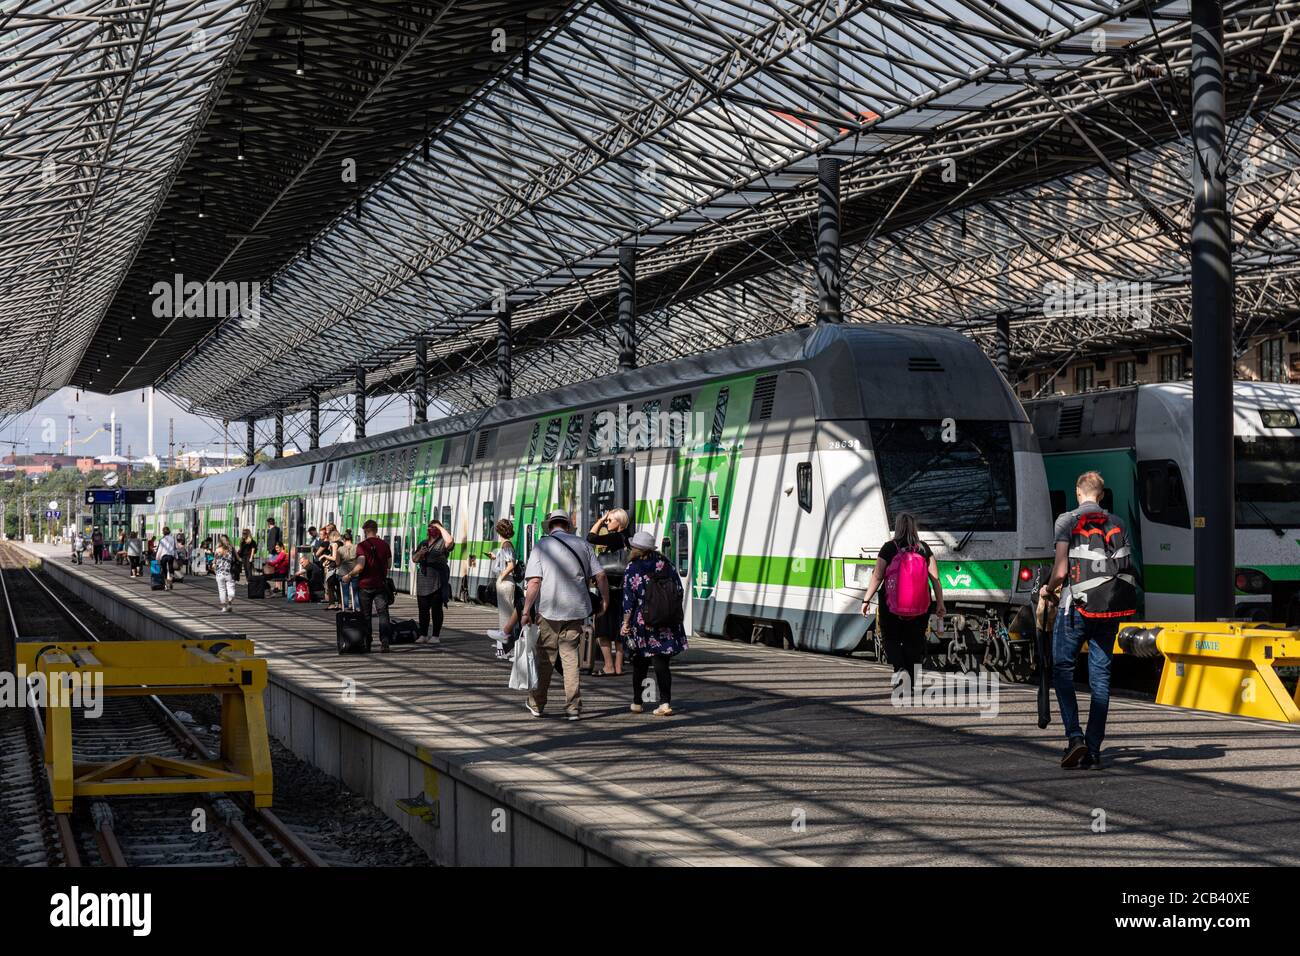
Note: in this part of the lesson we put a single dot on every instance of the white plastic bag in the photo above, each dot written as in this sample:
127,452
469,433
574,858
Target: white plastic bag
523,672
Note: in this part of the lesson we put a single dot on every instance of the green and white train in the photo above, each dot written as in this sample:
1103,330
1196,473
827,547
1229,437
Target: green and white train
771,471
1140,439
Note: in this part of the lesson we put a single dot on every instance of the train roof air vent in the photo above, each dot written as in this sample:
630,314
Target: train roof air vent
480,449
764,399
923,363
1071,421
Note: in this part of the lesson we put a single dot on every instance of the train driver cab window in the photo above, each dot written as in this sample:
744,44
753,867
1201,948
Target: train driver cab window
803,484
1163,496
719,416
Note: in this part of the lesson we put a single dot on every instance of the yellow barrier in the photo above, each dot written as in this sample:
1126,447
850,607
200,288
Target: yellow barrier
1225,667
73,674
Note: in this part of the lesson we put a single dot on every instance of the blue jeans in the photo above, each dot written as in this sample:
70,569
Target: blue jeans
350,594
1068,634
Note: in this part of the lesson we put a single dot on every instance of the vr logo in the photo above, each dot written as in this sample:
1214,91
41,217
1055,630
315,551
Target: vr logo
962,580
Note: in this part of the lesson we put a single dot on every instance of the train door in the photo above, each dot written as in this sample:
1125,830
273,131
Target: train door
681,551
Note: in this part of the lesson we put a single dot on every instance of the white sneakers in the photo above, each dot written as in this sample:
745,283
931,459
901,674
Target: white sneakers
636,709
664,710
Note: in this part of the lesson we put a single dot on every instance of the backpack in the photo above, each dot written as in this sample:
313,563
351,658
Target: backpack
1102,579
302,593
662,604
907,584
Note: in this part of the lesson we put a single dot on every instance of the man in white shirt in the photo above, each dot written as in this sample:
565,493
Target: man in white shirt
167,555
558,600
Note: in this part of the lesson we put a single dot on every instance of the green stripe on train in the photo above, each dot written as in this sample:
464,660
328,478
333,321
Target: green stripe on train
1180,579
773,570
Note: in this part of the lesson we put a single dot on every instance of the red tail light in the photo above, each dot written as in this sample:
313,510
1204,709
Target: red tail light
1026,574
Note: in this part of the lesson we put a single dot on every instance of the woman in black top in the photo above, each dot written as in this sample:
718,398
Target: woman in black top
903,637
610,532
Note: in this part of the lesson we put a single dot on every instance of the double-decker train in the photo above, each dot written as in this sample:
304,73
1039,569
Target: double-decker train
770,471
1140,439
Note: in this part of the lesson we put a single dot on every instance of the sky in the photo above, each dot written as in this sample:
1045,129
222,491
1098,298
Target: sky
45,428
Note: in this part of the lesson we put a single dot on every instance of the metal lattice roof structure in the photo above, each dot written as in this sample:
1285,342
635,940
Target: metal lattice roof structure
988,149
99,103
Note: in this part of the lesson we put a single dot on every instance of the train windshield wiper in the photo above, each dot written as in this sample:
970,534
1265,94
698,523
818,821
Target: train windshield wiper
988,502
1275,528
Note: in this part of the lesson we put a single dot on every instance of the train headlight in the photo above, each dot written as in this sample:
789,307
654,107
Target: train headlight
1025,579
1277,417
1250,581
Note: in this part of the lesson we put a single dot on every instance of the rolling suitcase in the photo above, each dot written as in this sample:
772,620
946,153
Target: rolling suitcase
256,585
352,632
156,582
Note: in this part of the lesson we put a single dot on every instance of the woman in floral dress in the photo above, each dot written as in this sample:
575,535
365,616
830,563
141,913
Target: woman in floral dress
645,644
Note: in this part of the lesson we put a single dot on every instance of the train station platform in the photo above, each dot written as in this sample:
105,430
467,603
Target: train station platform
773,757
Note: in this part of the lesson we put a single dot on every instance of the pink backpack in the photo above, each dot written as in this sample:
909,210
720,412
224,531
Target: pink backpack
907,584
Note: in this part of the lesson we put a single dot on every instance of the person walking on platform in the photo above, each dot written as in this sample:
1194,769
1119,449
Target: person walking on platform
349,590
167,556
1094,569
135,553
559,602
371,572
652,628
247,550
223,559
432,581
97,546
78,546
908,572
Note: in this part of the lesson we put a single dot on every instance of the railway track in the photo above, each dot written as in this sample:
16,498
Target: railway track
213,830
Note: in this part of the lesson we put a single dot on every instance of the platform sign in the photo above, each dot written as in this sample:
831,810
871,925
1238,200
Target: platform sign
102,496
55,513
141,496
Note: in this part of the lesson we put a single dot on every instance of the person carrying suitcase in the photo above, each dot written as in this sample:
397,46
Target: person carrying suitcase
374,559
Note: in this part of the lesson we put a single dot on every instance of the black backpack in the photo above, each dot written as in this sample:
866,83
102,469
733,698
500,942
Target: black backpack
662,604
1102,579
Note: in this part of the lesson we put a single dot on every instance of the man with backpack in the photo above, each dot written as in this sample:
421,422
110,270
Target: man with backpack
558,600
908,572
1093,563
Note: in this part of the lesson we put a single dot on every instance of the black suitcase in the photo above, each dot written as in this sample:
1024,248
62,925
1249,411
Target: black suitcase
352,632
256,585
404,632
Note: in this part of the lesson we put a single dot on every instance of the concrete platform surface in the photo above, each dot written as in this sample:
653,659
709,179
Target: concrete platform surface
784,757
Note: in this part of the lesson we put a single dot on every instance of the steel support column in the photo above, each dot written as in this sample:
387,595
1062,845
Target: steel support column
279,433
505,374
313,420
1002,345
1214,509
252,440
359,412
828,240
421,398
626,308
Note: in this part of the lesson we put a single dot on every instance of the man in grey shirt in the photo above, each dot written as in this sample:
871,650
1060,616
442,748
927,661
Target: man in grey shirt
558,600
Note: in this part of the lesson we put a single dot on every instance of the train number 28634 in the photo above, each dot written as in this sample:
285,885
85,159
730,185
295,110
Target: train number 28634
836,443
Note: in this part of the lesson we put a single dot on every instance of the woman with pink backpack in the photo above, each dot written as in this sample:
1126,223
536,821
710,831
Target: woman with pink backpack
907,573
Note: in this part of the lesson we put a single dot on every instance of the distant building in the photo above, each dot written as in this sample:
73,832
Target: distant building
1268,358
203,461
